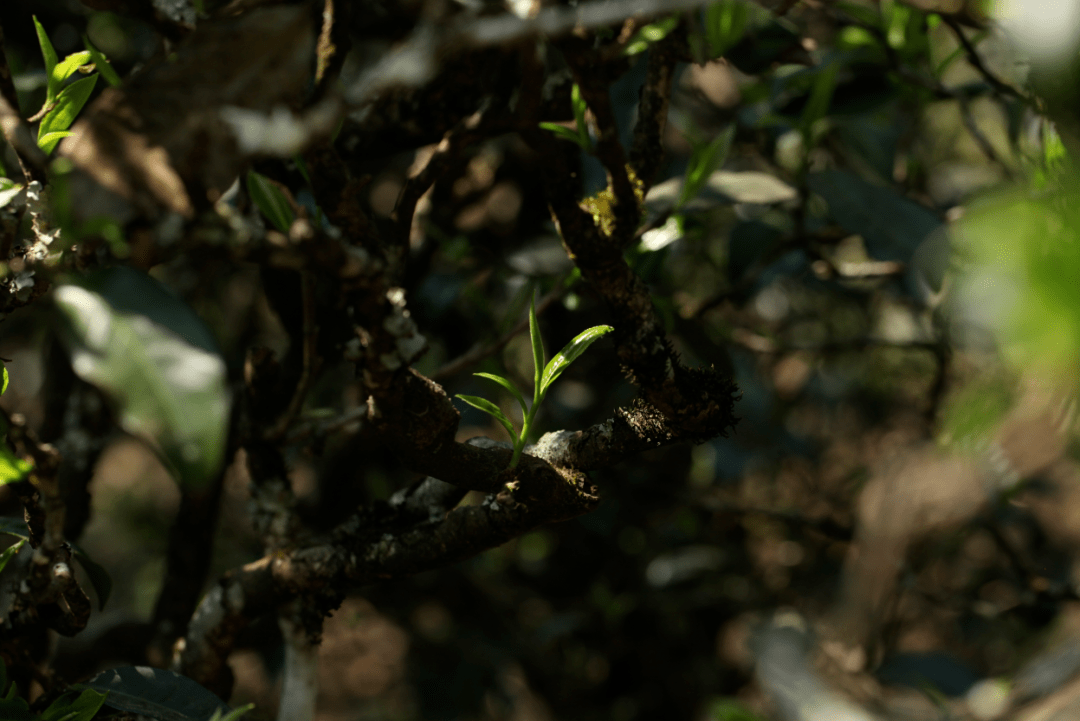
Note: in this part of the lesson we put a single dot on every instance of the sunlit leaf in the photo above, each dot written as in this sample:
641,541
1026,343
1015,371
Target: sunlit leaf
68,104
270,201
102,64
571,353
3,378
12,468
66,68
508,386
233,715
156,693
493,410
649,34
48,54
48,141
537,349
72,707
155,361
564,132
9,553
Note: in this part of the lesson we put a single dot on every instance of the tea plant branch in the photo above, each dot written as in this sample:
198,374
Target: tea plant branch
647,151
544,374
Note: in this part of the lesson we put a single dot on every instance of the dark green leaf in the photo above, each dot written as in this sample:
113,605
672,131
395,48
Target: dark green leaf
705,159
537,349
102,64
155,361
817,106
13,526
16,709
48,54
270,201
9,553
571,353
891,225
508,386
725,24
68,104
99,577
70,707
154,692
490,408
12,468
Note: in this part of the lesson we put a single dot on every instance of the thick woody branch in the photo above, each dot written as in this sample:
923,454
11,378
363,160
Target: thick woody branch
371,547
647,152
698,402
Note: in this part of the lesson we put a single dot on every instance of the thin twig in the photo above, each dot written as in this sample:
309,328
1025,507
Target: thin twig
976,61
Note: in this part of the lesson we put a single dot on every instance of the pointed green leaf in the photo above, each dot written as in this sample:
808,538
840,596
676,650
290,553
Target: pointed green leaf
9,553
68,104
233,715
4,379
48,54
493,410
571,353
537,349
102,64
563,132
156,693
12,468
13,526
270,201
70,707
508,386
99,577
68,67
48,141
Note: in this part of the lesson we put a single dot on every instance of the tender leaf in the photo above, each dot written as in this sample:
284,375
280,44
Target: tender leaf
490,408
563,132
508,386
70,707
270,201
537,349
68,104
99,577
233,715
102,64
157,363
154,692
649,34
9,553
3,378
48,141
66,68
571,353
48,54
9,190
12,468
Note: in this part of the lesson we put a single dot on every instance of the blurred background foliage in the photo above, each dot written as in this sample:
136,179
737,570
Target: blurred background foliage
864,216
